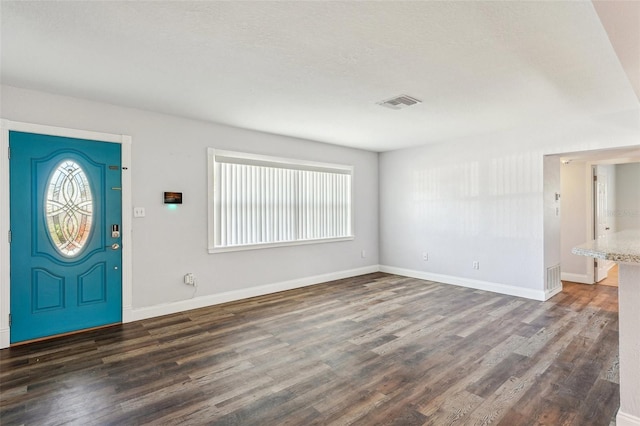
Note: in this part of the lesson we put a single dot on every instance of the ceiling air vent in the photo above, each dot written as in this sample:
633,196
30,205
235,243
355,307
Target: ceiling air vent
399,102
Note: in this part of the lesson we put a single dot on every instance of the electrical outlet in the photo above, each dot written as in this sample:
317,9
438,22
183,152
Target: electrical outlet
138,212
189,279
476,264
425,256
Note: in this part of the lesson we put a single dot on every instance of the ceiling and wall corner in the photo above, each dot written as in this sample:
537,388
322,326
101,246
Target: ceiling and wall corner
621,20
315,70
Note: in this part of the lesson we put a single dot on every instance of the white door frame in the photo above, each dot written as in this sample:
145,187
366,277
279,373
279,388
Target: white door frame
5,287
591,217
600,266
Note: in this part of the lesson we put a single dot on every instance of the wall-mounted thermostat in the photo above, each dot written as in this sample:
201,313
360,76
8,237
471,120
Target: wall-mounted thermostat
173,197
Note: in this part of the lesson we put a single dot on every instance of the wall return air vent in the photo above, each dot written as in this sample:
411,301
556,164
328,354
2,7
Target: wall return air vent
399,102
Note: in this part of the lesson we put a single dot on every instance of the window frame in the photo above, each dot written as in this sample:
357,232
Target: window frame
266,160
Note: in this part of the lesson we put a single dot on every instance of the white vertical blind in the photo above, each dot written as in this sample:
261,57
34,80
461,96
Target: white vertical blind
267,203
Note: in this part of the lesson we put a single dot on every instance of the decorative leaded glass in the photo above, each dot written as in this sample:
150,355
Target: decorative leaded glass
69,208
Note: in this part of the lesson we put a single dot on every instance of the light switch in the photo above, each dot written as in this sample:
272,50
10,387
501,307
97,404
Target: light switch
138,212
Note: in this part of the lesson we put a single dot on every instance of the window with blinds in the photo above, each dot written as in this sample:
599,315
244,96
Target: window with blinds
257,201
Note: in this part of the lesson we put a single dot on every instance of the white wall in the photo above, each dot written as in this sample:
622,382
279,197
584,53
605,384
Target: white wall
552,212
627,211
629,329
482,199
170,154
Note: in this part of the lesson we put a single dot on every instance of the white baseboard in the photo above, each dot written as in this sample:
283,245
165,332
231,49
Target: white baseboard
230,296
575,278
5,338
467,282
624,419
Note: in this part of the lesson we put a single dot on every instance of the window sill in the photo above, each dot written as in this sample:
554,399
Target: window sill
213,250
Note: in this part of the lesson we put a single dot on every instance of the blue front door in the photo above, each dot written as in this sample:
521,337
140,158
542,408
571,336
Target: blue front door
66,211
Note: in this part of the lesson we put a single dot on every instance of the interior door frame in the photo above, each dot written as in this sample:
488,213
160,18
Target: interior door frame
598,263
5,261
591,217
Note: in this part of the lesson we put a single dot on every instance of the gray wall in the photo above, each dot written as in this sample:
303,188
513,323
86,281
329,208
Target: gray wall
483,199
170,154
627,210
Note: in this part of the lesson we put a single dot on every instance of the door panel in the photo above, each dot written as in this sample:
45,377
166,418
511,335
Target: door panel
65,197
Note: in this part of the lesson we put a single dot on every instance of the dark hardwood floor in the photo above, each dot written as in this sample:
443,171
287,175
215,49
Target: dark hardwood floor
377,349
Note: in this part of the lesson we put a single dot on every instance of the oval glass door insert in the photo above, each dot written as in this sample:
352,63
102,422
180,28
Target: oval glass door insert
69,208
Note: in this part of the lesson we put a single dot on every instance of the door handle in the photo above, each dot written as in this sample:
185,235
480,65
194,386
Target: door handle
114,246
607,228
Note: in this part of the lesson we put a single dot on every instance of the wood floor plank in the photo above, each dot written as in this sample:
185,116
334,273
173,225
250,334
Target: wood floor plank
375,349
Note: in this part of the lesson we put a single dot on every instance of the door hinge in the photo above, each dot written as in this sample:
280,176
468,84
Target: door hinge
9,236
595,263
10,320
9,152
595,178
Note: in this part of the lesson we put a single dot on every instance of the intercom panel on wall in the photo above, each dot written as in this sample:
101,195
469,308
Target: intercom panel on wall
173,197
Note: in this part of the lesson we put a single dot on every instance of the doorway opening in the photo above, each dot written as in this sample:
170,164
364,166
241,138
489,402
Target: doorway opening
598,196
612,277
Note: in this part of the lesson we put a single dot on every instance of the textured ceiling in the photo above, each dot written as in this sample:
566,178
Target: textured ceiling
315,70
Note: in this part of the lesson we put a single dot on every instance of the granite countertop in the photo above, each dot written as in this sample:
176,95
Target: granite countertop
621,246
